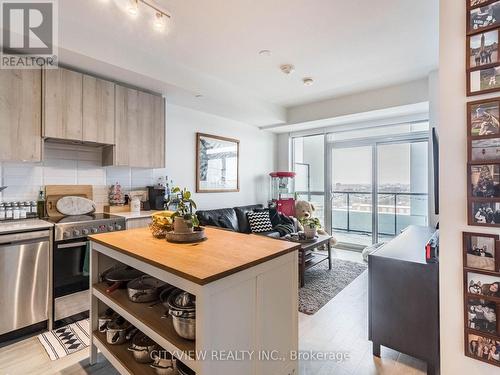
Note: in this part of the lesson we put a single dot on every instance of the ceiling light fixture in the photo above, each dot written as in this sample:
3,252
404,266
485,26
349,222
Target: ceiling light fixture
308,81
160,17
133,7
159,23
287,68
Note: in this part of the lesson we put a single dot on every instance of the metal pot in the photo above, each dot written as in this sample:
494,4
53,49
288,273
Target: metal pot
142,347
182,308
165,293
117,330
119,276
185,327
104,319
144,289
165,366
182,301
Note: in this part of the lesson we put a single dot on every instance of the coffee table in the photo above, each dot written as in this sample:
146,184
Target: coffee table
309,259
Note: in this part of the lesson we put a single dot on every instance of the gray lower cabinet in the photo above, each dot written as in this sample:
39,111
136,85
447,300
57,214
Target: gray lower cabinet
20,115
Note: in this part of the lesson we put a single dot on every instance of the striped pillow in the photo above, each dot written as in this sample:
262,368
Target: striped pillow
260,222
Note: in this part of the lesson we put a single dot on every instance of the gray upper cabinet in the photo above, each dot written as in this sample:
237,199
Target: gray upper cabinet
20,115
62,96
140,129
98,110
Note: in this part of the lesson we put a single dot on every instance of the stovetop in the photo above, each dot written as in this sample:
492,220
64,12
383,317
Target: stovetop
81,226
81,218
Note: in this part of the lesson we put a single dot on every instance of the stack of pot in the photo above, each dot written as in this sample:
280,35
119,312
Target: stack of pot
182,308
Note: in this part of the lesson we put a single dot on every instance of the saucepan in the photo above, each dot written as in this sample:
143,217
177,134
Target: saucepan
142,347
118,277
144,289
106,318
165,364
118,331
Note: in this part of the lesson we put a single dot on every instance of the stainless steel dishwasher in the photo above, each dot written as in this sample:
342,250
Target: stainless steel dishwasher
24,279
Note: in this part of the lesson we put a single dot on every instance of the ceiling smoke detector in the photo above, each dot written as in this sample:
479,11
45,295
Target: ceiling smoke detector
265,52
308,81
287,68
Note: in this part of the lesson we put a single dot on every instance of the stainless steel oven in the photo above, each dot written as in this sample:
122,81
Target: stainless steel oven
70,278
70,254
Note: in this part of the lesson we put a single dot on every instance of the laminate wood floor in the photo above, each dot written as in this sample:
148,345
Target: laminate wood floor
341,326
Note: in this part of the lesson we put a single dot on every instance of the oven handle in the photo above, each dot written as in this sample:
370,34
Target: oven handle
70,245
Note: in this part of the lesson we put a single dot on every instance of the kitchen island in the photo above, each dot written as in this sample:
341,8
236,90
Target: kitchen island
246,289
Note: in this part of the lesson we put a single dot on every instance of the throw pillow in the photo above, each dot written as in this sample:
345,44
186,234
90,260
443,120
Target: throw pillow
260,222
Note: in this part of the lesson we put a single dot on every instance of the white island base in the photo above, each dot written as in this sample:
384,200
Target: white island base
246,323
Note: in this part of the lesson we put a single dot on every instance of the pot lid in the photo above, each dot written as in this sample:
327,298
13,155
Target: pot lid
180,300
145,282
141,341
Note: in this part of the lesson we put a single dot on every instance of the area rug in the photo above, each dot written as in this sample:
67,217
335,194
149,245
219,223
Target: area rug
322,284
66,340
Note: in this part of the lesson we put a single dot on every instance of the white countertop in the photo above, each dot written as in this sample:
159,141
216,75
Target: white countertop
135,215
24,225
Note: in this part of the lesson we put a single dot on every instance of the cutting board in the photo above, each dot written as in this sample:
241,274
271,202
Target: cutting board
72,205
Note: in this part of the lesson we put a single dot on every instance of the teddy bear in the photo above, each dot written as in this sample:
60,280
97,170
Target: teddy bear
304,210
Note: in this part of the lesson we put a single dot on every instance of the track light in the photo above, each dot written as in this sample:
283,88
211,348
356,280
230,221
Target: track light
133,7
159,22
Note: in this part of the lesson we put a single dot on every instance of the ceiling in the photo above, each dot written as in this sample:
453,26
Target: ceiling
212,49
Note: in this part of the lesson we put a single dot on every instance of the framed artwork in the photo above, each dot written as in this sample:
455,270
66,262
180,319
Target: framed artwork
483,134
484,180
482,49
485,150
482,16
217,164
484,212
483,348
482,315
483,80
482,284
481,251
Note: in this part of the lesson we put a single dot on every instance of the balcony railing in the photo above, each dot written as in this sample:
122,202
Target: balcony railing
352,210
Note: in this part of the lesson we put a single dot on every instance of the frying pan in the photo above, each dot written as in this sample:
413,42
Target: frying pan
119,277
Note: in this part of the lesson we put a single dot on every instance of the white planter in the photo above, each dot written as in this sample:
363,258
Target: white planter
182,226
310,232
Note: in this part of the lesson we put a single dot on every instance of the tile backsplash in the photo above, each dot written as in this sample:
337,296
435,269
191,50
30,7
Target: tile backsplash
71,165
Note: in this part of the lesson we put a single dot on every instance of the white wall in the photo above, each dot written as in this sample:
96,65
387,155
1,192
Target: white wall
70,165
453,190
258,155
387,97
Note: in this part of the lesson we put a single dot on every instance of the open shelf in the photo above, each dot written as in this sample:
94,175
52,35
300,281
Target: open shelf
315,259
122,359
149,320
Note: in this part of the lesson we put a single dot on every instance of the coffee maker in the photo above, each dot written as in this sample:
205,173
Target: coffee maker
156,196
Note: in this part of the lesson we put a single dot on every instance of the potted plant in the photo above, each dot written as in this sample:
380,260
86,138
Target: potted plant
184,219
311,226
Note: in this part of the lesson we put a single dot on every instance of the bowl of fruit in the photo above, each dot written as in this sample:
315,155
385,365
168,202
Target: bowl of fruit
162,222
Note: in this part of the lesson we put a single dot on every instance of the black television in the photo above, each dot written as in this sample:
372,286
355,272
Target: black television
435,157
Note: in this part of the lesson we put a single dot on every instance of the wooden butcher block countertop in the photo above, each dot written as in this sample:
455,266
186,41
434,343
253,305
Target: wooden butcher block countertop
223,254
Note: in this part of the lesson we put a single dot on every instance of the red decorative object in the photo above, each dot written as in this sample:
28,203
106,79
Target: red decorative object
283,192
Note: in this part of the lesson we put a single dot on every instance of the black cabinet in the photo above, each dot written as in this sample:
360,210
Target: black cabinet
404,298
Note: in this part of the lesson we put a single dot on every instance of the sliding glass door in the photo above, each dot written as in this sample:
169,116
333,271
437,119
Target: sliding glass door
367,184
378,187
352,194
402,187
